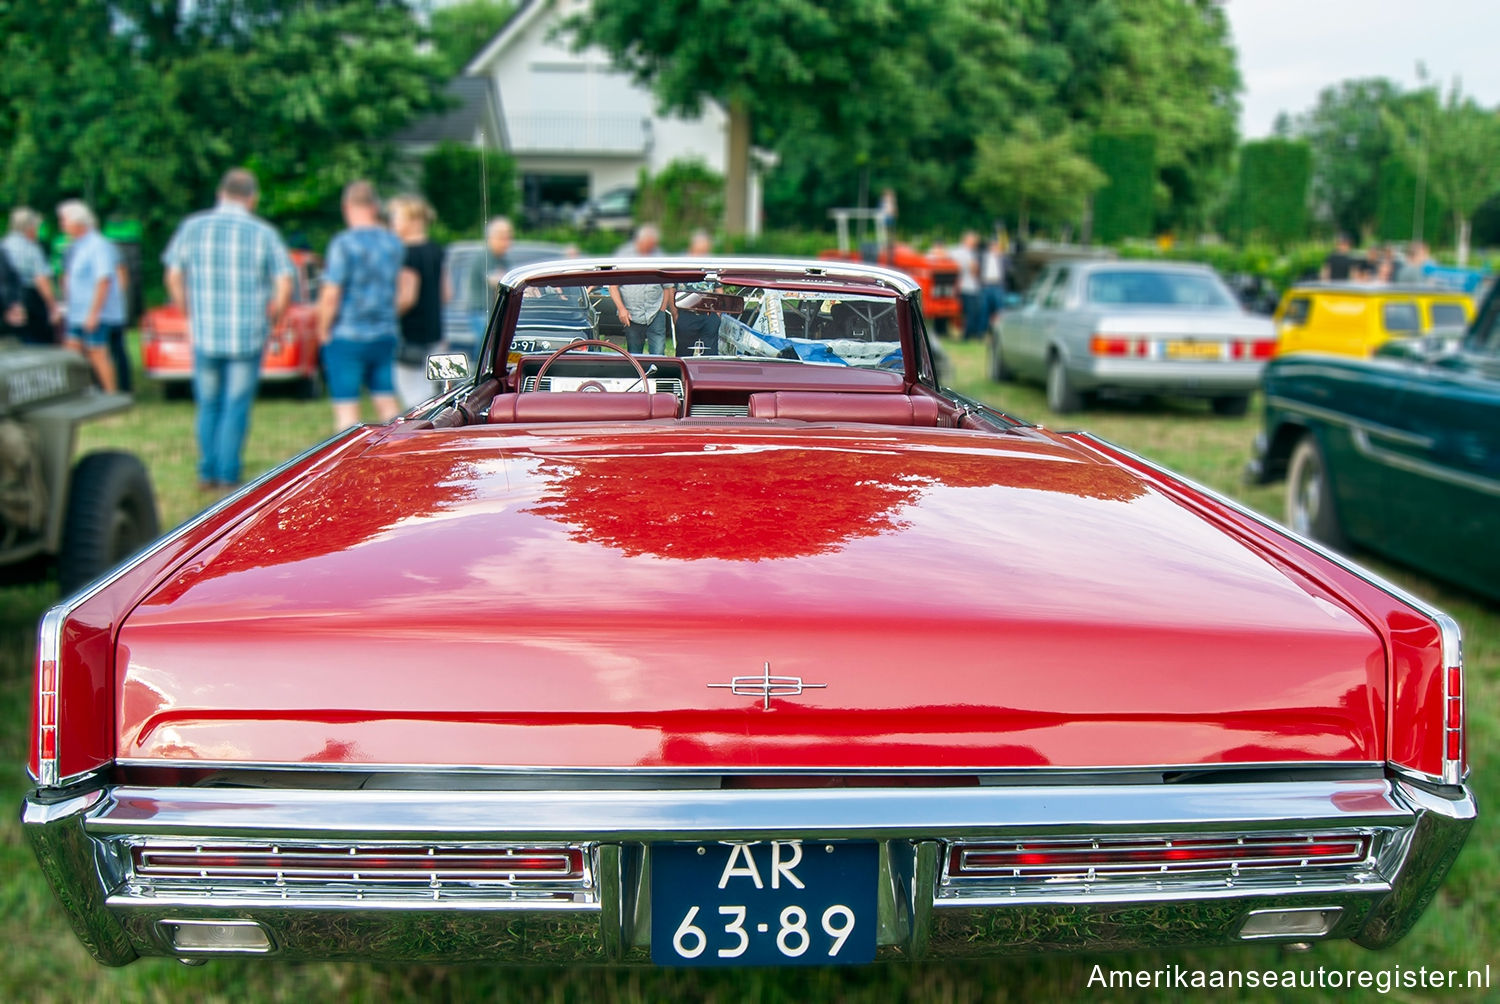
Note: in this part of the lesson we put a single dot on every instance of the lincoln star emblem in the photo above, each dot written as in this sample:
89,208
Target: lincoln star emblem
767,686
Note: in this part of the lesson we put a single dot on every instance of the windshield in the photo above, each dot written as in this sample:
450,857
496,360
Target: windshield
719,321
1138,287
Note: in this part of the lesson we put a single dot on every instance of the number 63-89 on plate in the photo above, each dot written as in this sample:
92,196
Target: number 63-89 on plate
763,903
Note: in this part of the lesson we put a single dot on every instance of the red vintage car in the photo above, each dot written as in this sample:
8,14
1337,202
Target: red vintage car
291,350
933,271
775,654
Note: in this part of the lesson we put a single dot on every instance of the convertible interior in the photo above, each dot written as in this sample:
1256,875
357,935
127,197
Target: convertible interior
756,354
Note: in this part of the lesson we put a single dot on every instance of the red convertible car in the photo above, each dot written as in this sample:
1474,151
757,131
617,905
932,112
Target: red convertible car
774,654
291,350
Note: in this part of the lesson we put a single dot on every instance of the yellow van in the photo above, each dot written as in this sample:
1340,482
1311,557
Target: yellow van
1353,319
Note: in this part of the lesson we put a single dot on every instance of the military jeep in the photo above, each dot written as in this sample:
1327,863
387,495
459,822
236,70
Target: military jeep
86,516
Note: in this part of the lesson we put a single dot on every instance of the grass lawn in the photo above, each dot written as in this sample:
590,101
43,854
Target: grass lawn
44,961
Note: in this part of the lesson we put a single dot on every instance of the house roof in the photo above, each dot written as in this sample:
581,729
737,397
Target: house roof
478,107
526,11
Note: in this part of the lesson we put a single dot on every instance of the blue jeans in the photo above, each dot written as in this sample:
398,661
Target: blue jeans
224,387
652,333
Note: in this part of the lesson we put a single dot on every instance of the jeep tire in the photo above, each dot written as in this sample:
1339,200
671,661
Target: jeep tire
111,515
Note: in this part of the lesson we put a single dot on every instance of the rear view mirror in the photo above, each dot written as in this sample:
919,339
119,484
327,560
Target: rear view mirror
448,366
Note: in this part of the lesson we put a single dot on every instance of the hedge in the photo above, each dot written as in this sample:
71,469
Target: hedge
1124,207
1271,198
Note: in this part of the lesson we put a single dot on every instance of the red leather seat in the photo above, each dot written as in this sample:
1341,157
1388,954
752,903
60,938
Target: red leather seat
836,406
582,406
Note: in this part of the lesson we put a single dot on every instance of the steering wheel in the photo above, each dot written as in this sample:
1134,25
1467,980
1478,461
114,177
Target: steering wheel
584,344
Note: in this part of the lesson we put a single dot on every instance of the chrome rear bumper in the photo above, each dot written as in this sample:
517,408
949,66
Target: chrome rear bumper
85,844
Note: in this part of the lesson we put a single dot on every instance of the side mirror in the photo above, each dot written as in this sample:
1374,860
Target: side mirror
448,367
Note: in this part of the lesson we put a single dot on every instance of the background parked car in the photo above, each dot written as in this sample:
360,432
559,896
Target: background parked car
1088,327
291,354
610,210
468,264
1355,320
1399,453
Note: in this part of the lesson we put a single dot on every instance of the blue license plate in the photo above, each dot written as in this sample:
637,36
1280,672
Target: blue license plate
763,903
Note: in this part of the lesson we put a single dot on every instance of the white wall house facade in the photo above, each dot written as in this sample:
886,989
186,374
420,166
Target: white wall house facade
576,126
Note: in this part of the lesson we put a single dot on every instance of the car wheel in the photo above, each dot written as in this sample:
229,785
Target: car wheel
1310,507
999,372
177,390
111,515
1232,406
1062,397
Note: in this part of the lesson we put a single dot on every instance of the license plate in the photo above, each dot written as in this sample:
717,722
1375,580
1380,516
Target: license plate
1195,350
763,903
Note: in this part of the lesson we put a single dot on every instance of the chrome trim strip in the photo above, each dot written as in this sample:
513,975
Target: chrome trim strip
788,268
646,771
1452,637
744,814
218,899
1412,465
62,609
1350,422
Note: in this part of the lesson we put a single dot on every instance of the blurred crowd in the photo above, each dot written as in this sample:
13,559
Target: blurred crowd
385,302
1383,263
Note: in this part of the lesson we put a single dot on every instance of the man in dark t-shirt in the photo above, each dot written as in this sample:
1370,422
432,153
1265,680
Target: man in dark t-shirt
1339,266
419,298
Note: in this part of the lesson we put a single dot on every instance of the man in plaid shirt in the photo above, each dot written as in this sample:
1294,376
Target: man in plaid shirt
229,272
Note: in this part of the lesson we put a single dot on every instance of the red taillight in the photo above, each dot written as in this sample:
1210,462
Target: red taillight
1253,350
1150,855
1113,345
1453,724
353,863
49,640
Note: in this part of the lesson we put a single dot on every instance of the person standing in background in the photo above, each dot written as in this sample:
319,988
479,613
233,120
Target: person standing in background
420,295
228,271
992,280
642,307
1414,269
30,263
966,257
94,290
357,309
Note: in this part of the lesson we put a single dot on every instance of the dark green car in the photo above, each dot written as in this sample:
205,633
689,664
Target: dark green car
1399,453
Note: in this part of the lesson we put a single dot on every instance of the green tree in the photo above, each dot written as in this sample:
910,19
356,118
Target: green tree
684,196
1029,171
846,70
1453,146
1396,214
1164,67
461,30
140,105
1348,138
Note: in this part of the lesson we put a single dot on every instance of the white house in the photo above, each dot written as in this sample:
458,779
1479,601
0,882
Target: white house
576,126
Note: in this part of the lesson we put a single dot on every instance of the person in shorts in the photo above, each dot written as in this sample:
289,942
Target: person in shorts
95,290
357,321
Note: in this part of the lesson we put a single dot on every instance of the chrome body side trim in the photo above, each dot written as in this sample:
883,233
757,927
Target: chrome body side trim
1452,637
1419,834
1349,422
1474,482
741,814
1068,773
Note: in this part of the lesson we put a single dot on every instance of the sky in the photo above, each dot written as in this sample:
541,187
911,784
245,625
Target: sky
1289,50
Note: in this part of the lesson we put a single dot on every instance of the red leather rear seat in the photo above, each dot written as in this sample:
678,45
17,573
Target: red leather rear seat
837,406
581,406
